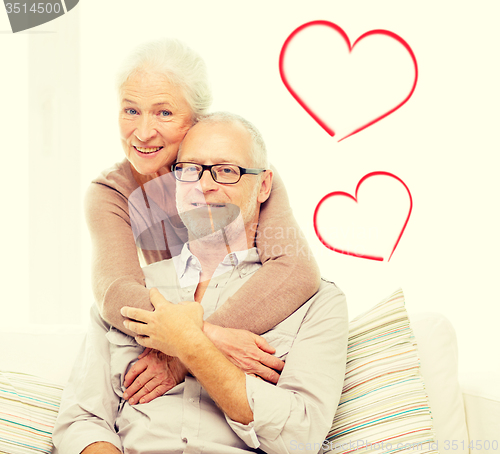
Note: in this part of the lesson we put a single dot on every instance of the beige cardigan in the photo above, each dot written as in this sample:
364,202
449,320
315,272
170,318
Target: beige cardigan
289,277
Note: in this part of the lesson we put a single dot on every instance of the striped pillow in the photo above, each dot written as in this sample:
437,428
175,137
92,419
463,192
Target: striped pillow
384,405
28,410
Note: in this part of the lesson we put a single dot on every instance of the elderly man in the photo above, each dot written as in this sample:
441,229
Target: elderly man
222,180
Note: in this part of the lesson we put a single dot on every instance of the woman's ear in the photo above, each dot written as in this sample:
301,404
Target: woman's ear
265,186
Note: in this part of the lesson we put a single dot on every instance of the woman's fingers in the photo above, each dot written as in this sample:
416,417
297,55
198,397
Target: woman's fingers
158,391
257,366
144,353
151,377
149,389
138,368
266,373
264,345
251,353
271,361
262,364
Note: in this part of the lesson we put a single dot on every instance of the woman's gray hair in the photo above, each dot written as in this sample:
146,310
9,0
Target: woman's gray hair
259,152
179,63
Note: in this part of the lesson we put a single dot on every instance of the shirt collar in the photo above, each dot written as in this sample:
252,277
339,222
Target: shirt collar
188,266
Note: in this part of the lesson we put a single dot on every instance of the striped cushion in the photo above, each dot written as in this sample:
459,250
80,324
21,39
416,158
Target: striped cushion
384,404
28,410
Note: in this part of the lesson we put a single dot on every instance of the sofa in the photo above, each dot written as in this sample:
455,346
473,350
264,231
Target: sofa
401,389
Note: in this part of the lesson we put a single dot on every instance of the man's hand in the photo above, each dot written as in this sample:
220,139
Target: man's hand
152,376
169,327
176,330
250,352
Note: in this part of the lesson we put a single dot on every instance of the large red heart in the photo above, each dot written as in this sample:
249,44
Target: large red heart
355,199
339,31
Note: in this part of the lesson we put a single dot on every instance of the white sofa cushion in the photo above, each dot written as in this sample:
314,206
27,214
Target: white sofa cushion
482,403
437,346
46,351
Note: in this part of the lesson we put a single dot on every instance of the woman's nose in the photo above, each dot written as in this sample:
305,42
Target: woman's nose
145,129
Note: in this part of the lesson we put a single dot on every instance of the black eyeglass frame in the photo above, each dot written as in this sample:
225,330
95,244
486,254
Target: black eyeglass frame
243,171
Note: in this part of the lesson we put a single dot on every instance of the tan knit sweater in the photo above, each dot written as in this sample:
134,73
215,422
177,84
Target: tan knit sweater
288,278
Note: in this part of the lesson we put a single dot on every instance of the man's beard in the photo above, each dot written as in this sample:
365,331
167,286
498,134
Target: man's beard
219,222
207,222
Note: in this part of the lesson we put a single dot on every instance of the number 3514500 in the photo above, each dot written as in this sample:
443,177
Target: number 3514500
38,8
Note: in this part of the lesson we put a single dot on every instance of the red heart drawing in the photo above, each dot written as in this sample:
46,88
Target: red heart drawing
355,198
350,47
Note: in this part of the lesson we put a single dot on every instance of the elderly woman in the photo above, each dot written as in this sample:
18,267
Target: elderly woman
163,89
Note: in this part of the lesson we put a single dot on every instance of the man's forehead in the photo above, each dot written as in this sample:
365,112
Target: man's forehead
226,142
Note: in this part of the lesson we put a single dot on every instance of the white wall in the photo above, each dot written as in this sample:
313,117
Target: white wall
443,143
41,221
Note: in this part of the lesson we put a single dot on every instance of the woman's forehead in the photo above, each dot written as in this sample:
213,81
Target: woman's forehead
152,88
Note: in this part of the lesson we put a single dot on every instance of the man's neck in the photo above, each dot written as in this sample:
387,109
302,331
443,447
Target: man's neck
211,254
210,258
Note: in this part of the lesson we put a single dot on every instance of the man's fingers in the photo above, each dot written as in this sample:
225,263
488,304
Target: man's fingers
136,327
157,299
145,341
154,297
133,313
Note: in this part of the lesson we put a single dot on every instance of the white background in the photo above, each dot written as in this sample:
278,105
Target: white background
443,143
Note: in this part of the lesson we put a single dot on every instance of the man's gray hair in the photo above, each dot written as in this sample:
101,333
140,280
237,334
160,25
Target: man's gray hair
182,66
259,152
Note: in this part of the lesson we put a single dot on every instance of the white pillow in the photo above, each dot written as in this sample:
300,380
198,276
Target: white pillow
384,405
437,347
28,410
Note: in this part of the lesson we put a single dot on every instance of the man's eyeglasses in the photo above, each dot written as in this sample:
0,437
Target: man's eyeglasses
189,172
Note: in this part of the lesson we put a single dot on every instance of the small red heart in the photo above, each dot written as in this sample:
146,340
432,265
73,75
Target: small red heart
350,47
355,198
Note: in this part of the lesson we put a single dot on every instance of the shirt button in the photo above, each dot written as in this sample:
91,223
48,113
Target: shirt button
185,440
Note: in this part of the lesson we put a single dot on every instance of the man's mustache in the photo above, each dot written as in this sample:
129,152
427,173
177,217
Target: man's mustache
153,238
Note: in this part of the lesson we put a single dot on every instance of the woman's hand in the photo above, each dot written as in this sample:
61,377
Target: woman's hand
250,352
152,376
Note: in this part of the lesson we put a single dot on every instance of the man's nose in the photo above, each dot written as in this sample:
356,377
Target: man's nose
145,129
207,183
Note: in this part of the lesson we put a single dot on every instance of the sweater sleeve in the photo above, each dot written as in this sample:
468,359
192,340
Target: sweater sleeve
289,277
117,277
